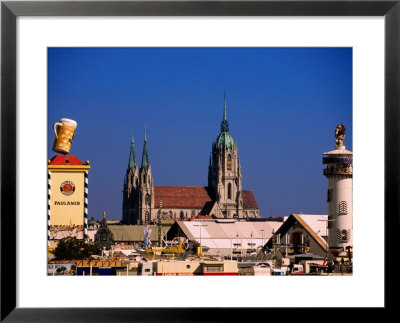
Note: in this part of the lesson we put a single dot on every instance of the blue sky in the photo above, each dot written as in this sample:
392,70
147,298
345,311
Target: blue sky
283,105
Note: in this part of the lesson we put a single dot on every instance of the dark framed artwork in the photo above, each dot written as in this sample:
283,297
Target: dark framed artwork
11,10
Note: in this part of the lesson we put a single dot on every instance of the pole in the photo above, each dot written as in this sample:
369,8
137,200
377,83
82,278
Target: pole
200,225
231,248
262,237
251,241
286,244
200,235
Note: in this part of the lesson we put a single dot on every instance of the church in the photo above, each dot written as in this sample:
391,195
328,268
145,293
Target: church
144,202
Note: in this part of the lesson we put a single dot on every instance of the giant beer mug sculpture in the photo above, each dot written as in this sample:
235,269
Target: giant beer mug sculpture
64,135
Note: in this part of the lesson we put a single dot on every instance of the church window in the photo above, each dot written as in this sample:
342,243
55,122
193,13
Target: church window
229,163
148,179
147,199
229,191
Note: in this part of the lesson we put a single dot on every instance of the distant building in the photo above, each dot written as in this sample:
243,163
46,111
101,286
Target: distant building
301,234
224,237
133,234
109,234
58,232
143,202
104,238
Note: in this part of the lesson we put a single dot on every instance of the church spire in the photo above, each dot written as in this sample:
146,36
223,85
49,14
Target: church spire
224,123
145,155
224,106
132,158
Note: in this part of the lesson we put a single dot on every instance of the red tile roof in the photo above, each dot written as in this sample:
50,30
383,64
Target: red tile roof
249,201
193,197
65,160
181,196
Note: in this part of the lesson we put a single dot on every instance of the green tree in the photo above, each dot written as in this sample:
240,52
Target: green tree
71,248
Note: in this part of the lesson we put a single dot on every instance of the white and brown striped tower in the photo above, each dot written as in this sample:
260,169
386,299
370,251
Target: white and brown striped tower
339,171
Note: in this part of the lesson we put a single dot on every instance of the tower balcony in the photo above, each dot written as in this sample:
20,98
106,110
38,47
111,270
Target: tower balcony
348,170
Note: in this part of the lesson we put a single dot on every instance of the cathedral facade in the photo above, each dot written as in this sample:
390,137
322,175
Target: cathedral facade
143,202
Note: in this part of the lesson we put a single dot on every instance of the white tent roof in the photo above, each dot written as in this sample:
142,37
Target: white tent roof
222,234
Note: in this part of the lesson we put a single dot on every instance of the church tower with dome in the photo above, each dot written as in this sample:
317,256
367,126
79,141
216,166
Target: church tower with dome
223,197
224,173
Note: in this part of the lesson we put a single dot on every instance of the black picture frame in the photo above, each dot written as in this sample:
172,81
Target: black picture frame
10,10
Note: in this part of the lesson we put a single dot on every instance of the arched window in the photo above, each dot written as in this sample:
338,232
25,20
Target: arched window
229,162
147,199
229,191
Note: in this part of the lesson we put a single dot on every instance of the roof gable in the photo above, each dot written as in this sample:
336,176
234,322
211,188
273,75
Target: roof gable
291,220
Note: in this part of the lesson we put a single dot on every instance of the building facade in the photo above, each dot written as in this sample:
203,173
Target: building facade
143,202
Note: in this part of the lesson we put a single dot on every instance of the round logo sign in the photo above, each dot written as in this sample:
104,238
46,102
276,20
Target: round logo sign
67,188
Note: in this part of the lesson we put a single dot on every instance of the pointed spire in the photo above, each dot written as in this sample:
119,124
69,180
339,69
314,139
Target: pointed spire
224,123
224,106
132,158
145,155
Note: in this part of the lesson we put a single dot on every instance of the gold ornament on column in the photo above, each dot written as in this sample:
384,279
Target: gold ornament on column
339,135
